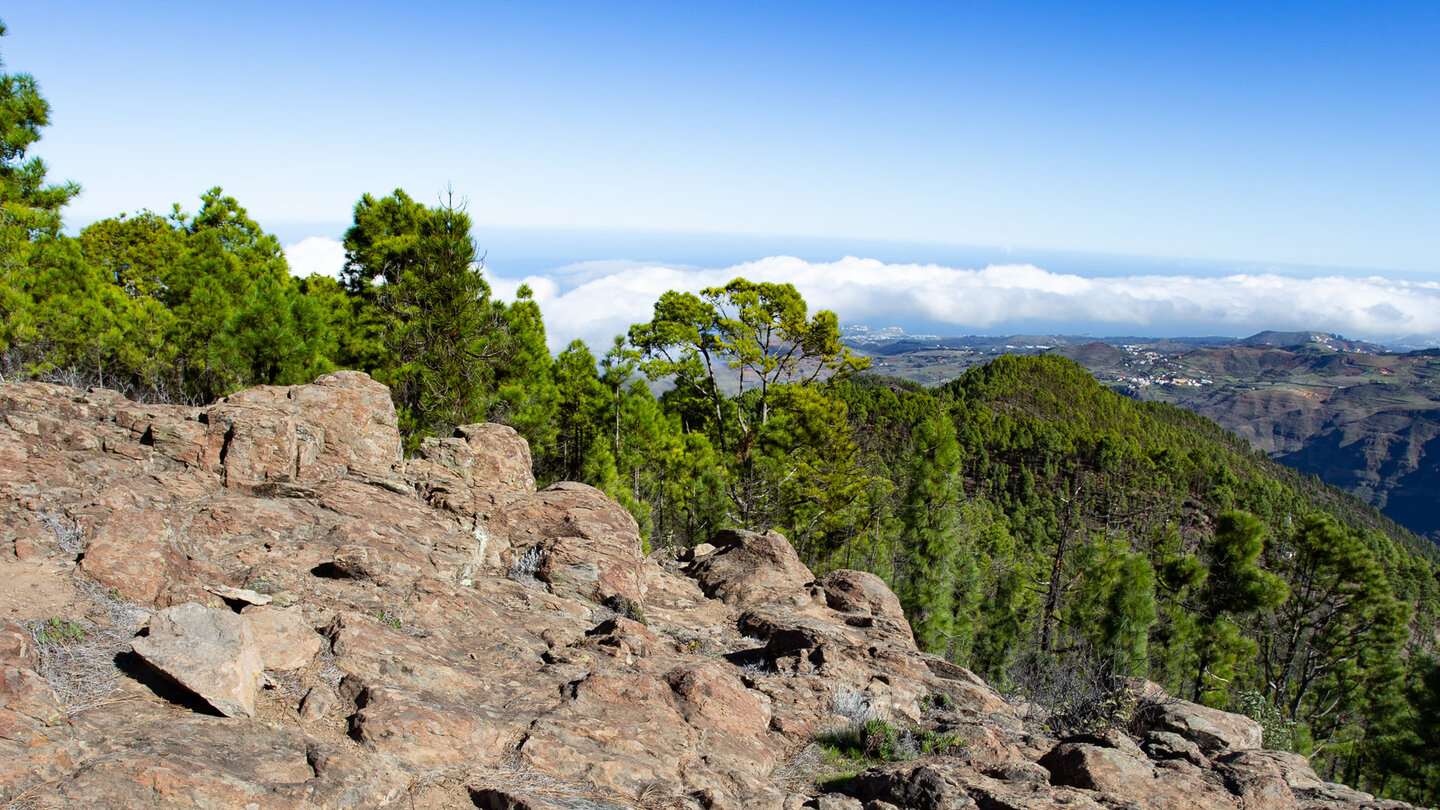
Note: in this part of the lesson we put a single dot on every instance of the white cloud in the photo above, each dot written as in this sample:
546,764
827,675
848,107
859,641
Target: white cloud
595,306
315,254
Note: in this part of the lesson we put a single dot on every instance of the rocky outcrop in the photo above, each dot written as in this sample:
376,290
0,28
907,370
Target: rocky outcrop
326,624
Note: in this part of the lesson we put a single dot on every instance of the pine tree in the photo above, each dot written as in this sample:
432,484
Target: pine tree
929,536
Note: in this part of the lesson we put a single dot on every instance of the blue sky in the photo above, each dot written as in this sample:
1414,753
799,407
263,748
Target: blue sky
1099,139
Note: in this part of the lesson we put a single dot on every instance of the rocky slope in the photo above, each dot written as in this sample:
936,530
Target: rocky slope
262,604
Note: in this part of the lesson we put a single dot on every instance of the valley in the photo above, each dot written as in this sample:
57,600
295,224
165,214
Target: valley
1354,414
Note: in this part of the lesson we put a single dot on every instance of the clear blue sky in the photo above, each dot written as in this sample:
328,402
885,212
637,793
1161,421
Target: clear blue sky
1274,132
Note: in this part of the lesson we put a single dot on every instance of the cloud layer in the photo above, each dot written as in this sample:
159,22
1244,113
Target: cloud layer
1006,297
593,301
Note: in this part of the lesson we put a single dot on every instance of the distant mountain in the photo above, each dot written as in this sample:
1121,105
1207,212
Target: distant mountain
1356,414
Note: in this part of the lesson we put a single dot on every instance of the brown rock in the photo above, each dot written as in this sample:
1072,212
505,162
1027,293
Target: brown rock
1213,730
749,569
341,425
17,647
133,553
317,703
861,592
1259,781
488,457
27,705
1161,745
423,730
285,640
1122,777
625,638
518,799
591,544
1097,768
210,652
915,786
713,698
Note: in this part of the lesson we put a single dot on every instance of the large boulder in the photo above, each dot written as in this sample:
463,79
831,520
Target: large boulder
749,569
488,457
210,652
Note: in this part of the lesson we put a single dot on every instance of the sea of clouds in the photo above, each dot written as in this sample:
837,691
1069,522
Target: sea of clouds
594,301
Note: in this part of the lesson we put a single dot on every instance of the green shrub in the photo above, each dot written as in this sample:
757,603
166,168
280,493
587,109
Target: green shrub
874,741
56,630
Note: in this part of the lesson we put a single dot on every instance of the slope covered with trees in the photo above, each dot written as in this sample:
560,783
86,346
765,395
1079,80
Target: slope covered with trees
1034,523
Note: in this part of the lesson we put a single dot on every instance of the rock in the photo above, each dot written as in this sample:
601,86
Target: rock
590,545
133,552
210,652
423,730
749,569
343,424
860,592
1214,731
625,638
1019,771
1259,781
17,647
500,458
245,595
27,705
1122,777
711,697
1098,768
285,640
923,786
1161,745
1109,738
317,703
518,799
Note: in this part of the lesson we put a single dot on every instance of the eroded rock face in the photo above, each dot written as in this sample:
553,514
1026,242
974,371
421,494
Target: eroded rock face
343,424
589,546
399,660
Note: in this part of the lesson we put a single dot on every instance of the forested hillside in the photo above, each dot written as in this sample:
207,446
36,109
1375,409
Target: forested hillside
1039,528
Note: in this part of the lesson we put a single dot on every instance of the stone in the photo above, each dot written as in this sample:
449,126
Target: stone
285,640
245,595
1161,745
1098,768
210,652
343,424
749,569
500,458
27,705
712,697
1214,731
17,647
625,638
132,552
914,786
590,545
318,702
